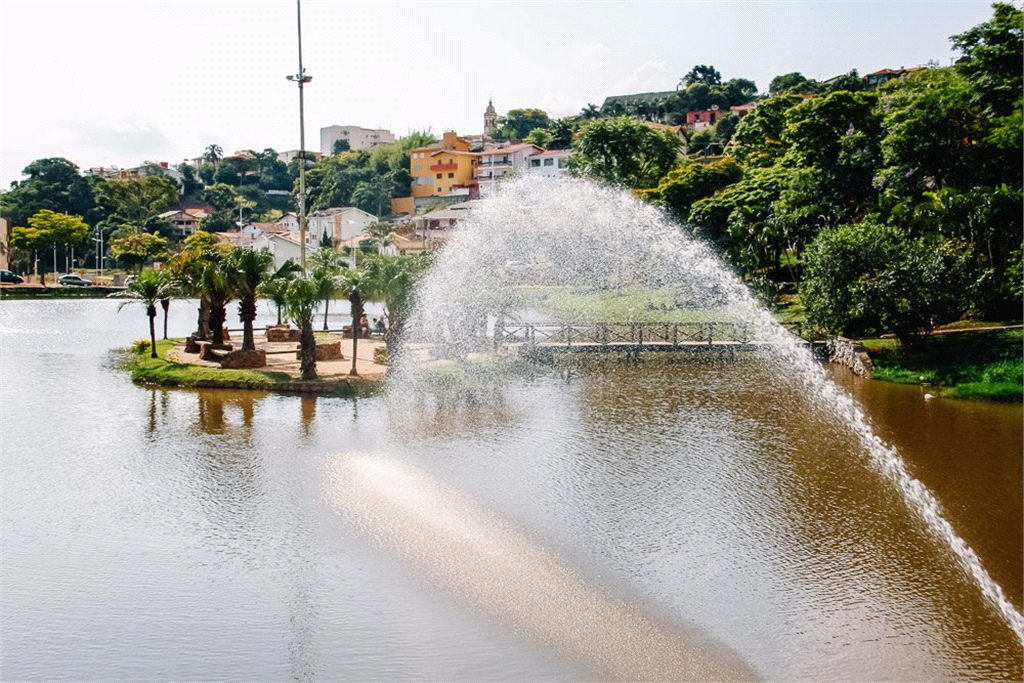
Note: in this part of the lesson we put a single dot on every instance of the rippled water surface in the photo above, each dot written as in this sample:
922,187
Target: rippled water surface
576,524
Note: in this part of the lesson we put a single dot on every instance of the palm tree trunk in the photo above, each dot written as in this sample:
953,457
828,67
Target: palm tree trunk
247,312
327,303
217,317
166,304
307,350
151,312
357,314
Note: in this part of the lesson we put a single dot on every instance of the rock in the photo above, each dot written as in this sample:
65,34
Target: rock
244,359
191,345
326,351
213,353
282,333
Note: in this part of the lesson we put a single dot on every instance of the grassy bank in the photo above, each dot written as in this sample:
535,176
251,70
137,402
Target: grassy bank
976,365
165,373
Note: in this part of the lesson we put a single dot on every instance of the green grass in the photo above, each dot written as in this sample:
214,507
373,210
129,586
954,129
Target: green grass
165,373
968,365
627,304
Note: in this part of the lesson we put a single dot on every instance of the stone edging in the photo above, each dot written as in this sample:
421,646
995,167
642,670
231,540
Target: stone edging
852,354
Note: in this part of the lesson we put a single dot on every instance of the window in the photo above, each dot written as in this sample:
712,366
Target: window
535,163
451,175
439,175
549,162
439,189
417,167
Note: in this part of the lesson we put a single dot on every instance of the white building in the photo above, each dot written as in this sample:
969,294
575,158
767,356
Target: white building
282,247
551,164
291,154
496,163
357,137
339,224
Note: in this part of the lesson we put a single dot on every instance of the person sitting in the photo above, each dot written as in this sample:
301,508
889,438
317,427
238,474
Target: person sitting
364,327
378,326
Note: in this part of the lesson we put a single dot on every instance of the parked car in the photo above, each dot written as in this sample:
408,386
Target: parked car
74,280
8,276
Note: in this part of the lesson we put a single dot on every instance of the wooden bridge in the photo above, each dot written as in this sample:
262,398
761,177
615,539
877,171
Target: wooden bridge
543,340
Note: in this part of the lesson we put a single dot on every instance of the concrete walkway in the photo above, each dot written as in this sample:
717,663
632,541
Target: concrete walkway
281,357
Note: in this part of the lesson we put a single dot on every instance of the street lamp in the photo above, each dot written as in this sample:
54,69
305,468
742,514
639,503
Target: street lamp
301,78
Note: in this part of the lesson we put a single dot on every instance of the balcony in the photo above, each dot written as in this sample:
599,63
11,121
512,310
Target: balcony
444,167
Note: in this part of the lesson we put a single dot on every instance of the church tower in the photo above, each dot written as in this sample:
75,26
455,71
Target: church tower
490,116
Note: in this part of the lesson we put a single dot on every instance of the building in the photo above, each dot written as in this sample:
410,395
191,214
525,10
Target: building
490,120
186,221
339,224
495,164
698,120
550,164
742,110
291,154
355,136
883,76
444,171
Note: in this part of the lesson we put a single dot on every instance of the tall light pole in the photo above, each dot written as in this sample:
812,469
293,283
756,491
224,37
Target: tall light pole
301,78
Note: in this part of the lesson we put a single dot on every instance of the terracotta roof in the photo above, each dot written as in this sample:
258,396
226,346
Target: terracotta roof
507,150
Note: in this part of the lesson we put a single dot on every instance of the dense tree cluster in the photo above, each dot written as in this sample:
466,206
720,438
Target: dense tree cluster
895,209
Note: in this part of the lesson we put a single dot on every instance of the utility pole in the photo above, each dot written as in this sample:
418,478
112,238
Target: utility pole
301,78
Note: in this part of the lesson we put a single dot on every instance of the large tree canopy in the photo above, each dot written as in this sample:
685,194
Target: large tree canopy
623,151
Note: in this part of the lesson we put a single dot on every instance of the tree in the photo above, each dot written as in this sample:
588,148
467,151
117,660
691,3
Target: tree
340,146
220,196
392,279
190,184
149,287
325,266
215,287
739,91
870,276
701,73
275,287
246,270
541,137
54,184
187,268
374,194
137,200
46,229
517,123
623,151
301,299
353,285
135,249
213,153
992,59
758,137
794,82
691,181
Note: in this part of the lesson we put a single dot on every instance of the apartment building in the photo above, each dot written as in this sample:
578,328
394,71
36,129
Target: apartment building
494,164
443,171
356,137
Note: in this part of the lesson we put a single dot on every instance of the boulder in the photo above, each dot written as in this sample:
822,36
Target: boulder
236,360
282,333
214,353
325,351
191,345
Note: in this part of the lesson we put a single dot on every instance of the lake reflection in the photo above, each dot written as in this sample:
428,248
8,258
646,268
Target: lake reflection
218,535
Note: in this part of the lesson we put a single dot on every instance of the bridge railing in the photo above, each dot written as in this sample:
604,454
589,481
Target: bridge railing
620,334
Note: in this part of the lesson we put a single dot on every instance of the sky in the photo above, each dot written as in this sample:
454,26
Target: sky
121,82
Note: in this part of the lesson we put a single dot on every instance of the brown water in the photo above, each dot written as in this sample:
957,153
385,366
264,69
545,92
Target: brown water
680,522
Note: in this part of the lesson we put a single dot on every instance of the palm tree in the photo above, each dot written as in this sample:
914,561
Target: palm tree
326,265
382,234
392,279
186,269
215,287
147,288
213,153
246,269
354,285
275,287
301,299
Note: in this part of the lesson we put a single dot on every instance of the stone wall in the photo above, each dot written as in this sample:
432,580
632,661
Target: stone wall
852,354
237,360
282,334
325,351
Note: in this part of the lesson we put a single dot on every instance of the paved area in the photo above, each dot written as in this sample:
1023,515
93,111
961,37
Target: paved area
281,357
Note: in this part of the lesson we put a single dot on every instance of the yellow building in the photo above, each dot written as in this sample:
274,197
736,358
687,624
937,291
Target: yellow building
445,169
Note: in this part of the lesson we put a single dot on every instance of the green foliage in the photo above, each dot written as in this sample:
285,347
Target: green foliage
794,82
701,73
137,200
992,59
758,137
392,279
135,249
872,276
692,181
340,146
54,184
517,123
622,151
47,228
220,196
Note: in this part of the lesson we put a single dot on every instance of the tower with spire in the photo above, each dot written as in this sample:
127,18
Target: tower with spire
490,117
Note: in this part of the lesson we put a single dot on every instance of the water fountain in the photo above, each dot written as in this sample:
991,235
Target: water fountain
574,251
